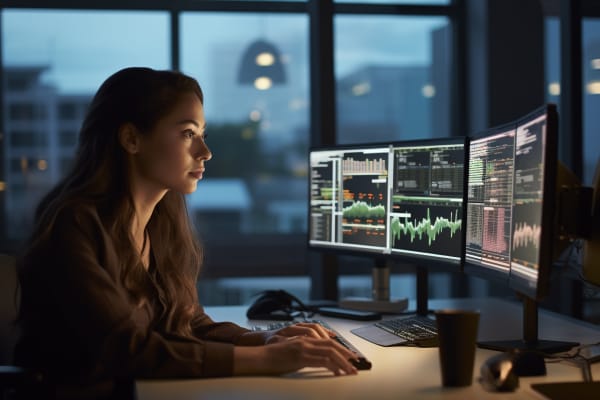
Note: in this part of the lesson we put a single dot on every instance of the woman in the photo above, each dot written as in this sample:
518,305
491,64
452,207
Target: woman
108,278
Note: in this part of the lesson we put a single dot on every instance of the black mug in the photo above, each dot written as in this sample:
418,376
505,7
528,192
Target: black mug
457,333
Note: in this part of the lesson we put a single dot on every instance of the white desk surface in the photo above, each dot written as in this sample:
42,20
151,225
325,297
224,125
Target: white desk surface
397,372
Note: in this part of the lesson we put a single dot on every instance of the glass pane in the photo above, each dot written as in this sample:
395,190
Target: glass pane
591,97
552,61
54,61
393,77
255,77
591,85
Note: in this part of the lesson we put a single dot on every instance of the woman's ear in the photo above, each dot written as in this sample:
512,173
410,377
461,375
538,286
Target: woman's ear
129,138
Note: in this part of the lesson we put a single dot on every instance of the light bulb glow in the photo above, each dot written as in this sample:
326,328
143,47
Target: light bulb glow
428,91
362,88
593,87
263,83
265,59
554,88
42,165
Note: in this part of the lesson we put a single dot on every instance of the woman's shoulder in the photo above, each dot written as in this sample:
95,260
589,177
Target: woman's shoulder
69,229
77,209
78,214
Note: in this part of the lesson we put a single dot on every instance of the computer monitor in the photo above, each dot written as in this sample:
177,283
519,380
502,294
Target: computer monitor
397,200
427,202
348,189
511,207
534,194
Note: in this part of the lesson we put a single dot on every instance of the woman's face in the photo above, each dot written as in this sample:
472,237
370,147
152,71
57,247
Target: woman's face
173,155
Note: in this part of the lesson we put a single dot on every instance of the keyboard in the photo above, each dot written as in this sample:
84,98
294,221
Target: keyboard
361,363
416,331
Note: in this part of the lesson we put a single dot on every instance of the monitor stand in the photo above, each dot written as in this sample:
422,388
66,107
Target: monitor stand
380,289
530,341
422,310
422,291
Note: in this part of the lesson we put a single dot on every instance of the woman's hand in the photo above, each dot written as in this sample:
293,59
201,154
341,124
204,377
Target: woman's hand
293,353
306,329
256,338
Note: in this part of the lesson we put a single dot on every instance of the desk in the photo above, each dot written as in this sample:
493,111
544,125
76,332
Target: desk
398,372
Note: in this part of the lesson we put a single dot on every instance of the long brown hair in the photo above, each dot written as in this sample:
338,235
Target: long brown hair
140,96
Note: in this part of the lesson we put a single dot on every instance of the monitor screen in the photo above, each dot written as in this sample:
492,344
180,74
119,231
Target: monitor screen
533,202
510,202
489,203
348,198
427,190
403,199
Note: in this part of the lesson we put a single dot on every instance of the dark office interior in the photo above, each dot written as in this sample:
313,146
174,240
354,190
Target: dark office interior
345,72
285,80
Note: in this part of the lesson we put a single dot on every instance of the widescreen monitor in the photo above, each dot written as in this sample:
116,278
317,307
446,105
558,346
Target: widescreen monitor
400,199
511,207
534,194
510,202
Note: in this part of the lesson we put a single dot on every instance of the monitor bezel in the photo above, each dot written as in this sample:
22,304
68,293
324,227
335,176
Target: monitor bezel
430,262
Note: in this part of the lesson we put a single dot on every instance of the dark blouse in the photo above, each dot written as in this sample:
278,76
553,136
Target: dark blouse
79,321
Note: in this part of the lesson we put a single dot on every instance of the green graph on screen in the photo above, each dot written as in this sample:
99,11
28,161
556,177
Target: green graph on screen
425,227
360,209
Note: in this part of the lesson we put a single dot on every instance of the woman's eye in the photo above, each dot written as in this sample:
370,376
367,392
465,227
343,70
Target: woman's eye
189,134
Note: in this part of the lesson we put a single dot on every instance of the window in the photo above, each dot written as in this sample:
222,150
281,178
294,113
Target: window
255,186
392,75
27,138
552,62
21,112
58,59
590,81
591,96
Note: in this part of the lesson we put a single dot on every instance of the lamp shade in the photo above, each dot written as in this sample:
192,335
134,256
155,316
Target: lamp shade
261,65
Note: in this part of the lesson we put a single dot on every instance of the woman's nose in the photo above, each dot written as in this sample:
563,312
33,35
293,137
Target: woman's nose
203,151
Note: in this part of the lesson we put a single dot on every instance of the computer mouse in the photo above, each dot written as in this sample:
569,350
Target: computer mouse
501,372
498,374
